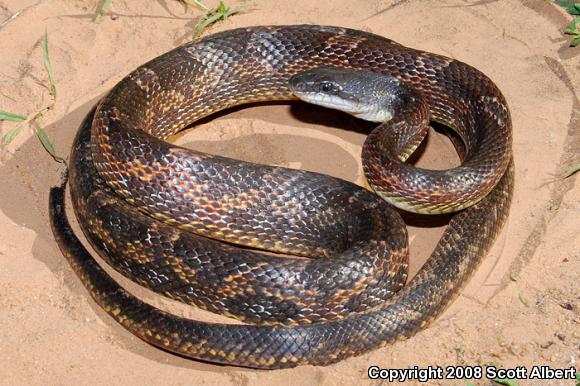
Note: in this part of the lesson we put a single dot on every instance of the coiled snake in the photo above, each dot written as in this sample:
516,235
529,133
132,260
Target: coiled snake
152,210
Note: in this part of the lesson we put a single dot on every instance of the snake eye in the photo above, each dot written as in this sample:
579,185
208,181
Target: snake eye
326,87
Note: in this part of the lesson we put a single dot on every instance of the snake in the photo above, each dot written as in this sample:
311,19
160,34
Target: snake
213,232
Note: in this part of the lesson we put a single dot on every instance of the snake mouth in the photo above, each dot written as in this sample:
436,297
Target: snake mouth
331,101
366,112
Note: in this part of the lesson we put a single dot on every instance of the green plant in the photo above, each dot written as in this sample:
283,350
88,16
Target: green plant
210,17
106,4
573,28
195,3
34,120
48,67
505,381
218,14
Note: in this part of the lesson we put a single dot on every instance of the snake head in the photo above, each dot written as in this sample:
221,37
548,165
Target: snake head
364,94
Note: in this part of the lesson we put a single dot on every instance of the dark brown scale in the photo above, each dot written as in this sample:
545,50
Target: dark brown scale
118,164
236,282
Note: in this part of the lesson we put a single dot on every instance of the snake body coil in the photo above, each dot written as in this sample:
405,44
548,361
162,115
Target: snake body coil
152,210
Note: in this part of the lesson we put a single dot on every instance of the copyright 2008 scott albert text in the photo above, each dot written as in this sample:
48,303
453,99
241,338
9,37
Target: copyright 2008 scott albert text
424,374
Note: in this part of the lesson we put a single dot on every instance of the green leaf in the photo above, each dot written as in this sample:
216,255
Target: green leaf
222,9
575,42
505,381
48,66
220,13
12,133
102,10
43,137
6,116
196,3
45,141
572,7
572,28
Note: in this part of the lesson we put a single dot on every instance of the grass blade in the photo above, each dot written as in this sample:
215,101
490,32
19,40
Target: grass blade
6,116
573,28
505,381
12,133
45,141
572,7
43,137
206,22
196,3
48,66
220,13
102,10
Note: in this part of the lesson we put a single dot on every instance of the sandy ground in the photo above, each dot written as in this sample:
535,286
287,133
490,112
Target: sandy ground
521,308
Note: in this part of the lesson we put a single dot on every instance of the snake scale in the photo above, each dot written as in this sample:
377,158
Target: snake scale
153,210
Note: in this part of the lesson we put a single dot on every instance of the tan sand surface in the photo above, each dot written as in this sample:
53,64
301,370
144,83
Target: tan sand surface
521,308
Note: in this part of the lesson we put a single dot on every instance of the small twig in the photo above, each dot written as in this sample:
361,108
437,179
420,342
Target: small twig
11,18
570,171
7,96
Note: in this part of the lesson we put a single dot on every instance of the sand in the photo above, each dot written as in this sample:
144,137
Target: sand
522,306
